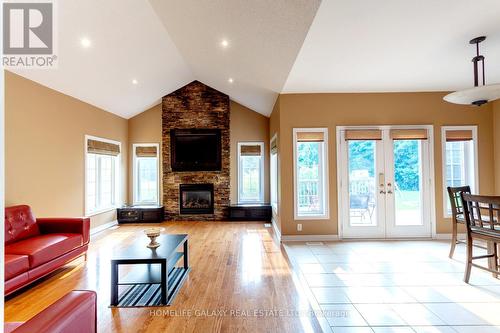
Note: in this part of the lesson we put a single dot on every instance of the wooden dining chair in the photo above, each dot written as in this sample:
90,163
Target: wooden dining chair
482,214
457,216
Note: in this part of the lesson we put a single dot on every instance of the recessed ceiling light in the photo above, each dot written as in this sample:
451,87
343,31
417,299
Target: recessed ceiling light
224,43
86,43
230,80
134,81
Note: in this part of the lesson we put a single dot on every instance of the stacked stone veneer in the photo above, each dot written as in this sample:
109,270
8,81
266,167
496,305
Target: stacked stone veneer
195,105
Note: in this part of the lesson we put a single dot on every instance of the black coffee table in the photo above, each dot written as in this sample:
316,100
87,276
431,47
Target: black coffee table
155,278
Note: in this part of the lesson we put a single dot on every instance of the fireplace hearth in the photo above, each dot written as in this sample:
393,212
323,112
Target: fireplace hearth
196,199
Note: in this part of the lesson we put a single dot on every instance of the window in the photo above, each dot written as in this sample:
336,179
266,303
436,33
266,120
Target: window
274,174
145,173
251,172
311,173
459,160
101,174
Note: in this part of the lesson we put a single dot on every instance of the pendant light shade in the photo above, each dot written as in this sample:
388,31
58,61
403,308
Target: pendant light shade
480,94
475,96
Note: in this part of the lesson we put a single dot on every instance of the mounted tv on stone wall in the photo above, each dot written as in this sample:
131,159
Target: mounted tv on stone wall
195,149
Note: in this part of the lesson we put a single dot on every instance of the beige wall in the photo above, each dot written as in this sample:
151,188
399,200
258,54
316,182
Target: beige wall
44,139
144,128
247,125
331,110
496,129
274,130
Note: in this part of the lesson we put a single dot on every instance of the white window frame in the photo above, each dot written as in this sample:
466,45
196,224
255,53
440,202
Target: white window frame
135,186
116,180
261,173
324,173
475,187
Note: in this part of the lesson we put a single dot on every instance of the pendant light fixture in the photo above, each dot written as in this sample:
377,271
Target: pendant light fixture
480,94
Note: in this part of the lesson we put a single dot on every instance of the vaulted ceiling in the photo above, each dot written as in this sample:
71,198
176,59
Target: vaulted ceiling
141,50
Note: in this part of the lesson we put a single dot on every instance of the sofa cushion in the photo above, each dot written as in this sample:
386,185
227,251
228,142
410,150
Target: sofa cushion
16,283
12,326
43,248
75,312
15,264
19,224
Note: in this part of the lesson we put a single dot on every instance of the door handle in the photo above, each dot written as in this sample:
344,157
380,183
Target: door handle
389,191
381,181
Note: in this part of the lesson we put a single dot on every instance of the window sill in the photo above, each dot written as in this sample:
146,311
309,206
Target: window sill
148,203
311,217
251,203
101,211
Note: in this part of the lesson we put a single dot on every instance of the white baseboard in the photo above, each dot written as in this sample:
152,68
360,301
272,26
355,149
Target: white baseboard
309,238
276,230
448,236
103,227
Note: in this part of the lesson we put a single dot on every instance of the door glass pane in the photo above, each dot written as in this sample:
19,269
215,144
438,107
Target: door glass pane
407,189
362,183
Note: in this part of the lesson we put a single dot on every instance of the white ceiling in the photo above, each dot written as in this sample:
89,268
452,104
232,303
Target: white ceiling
395,45
264,39
349,46
131,40
128,42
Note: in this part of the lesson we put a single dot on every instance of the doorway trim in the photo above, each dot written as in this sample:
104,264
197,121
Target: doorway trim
432,183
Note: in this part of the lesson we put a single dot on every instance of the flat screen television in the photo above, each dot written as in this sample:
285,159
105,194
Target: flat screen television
195,149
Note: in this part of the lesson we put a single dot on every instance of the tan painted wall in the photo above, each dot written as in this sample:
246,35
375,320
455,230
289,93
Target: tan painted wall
496,130
331,110
143,128
274,129
44,141
246,126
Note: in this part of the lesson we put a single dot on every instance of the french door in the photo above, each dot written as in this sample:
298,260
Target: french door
384,176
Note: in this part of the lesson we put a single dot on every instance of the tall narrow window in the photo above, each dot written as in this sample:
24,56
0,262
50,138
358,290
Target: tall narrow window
101,174
274,175
251,172
311,173
459,159
146,185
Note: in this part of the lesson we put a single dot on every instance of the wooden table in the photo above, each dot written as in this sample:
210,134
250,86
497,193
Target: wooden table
155,279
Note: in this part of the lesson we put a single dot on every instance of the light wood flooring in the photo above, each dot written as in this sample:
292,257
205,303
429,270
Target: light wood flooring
240,281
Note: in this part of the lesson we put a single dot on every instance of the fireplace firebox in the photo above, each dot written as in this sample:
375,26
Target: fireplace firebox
196,199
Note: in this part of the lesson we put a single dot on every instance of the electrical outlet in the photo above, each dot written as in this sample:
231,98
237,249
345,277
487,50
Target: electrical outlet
299,227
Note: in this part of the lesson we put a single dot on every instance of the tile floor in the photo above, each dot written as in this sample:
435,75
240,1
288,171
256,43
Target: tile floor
397,286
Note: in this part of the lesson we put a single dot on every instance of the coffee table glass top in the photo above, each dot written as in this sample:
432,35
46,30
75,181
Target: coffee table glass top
139,251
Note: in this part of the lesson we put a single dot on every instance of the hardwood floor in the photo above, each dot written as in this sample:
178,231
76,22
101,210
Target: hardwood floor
237,269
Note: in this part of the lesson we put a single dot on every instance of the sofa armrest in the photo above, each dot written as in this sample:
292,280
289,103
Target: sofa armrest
76,225
74,312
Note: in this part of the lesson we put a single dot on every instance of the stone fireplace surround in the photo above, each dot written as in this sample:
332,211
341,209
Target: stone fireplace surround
196,106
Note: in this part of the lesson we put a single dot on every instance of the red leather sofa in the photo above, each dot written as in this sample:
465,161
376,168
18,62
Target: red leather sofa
37,247
76,312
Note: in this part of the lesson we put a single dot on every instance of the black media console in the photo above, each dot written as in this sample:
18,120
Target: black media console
140,214
256,212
